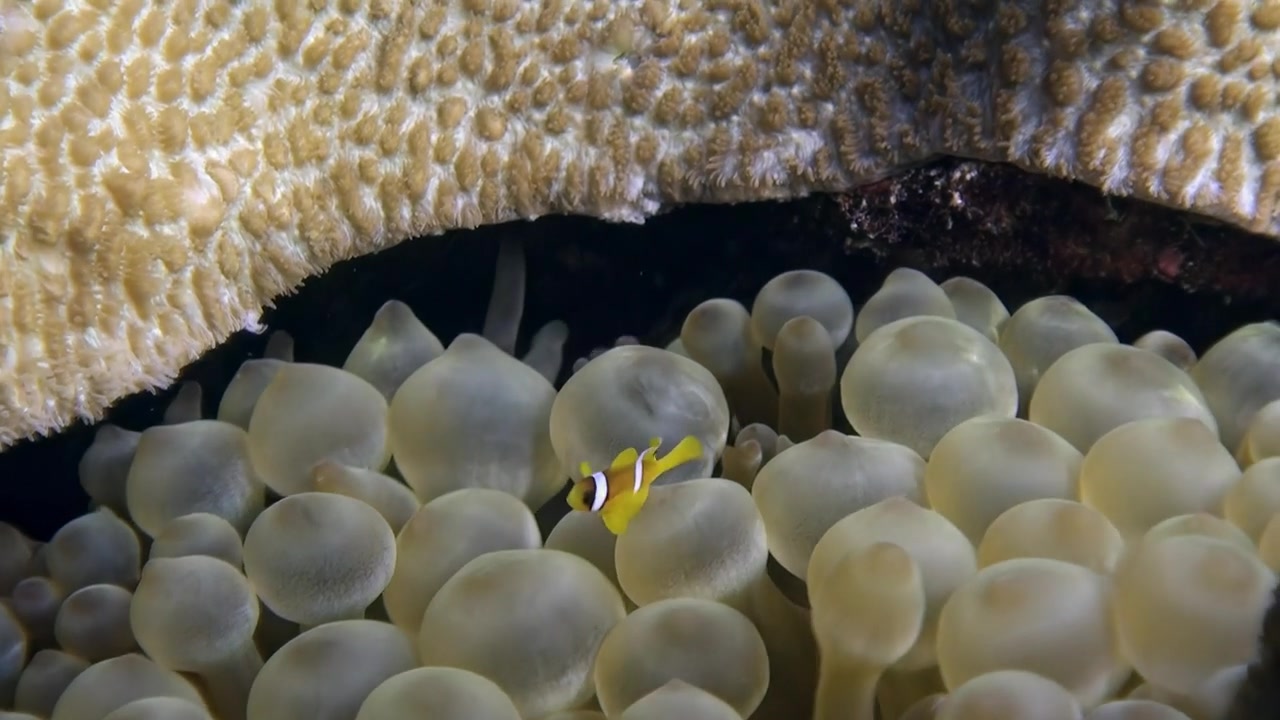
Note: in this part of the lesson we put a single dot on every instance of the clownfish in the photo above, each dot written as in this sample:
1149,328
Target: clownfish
619,492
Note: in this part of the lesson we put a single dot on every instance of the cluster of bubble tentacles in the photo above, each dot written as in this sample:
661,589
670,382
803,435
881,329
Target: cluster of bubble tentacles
1033,520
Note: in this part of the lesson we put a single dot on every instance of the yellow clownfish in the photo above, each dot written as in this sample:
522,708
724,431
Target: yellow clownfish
619,492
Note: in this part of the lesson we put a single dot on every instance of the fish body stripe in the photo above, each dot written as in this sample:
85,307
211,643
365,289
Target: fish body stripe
602,491
640,467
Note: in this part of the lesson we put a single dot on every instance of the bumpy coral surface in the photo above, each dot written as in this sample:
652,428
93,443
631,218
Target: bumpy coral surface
169,168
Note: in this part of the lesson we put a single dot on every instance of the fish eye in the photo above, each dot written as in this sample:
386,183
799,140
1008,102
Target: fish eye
589,495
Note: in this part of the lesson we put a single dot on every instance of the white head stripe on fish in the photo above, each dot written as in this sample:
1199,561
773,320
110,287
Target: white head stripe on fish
640,468
602,491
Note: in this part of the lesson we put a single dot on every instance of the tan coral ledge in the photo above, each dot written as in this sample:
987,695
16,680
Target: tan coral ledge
167,168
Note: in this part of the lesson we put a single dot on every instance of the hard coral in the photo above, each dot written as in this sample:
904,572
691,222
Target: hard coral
171,168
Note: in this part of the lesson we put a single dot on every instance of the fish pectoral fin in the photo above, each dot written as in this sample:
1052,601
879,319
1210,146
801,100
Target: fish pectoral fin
616,523
584,469
625,458
617,515
655,443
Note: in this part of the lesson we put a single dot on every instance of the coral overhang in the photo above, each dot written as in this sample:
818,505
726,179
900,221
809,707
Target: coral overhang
168,168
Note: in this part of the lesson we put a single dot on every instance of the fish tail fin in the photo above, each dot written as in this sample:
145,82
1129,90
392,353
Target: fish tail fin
686,450
617,514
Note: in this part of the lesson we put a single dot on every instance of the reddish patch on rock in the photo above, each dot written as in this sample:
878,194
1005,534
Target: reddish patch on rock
1169,263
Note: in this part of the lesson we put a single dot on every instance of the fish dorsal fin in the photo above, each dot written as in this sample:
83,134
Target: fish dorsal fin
584,469
655,443
625,458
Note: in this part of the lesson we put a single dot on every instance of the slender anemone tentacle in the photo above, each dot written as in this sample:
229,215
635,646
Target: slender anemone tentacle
506,303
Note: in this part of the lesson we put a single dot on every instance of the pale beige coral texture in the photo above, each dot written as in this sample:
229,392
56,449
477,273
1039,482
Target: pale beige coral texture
167,168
